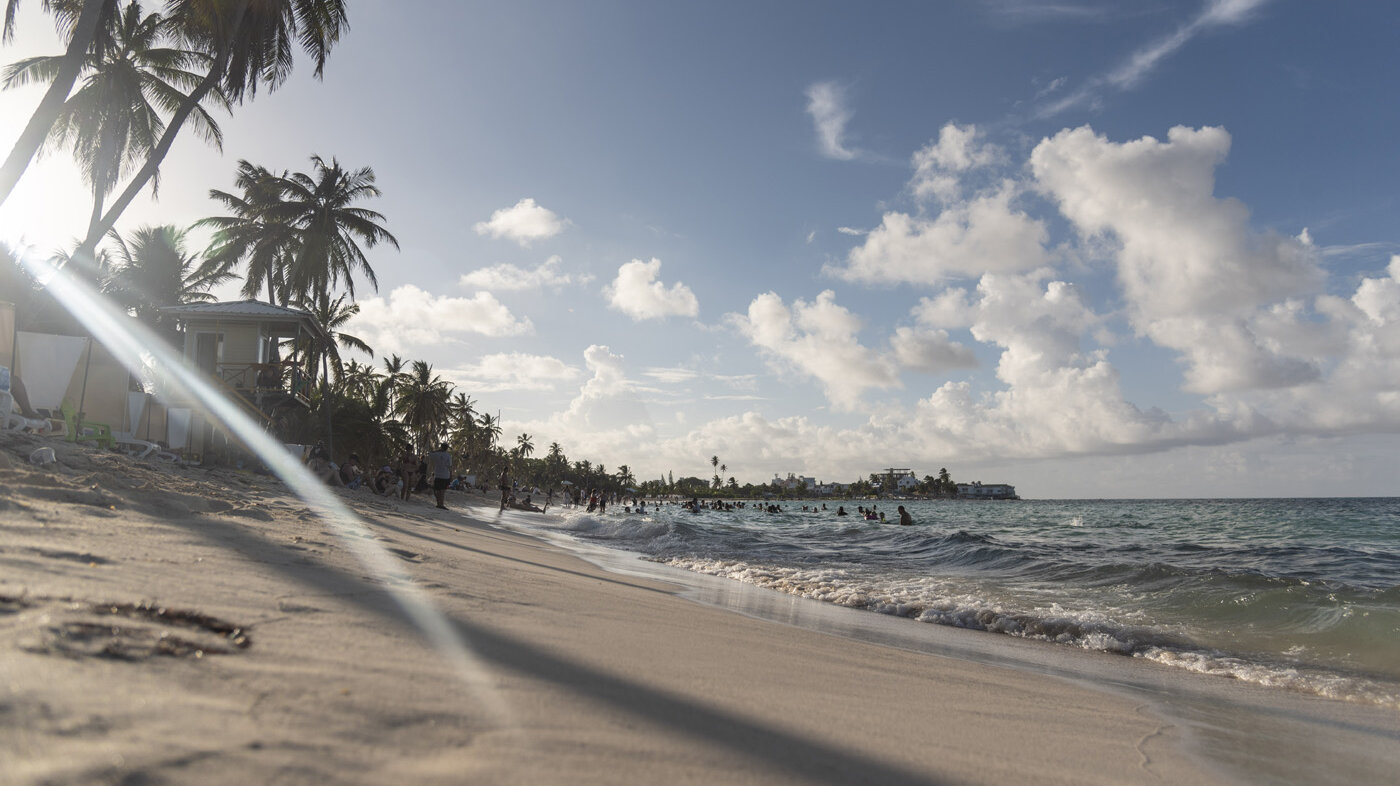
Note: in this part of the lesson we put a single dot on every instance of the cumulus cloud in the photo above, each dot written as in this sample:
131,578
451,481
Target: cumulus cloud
525,222
968,238
410,318
636,293
818,339
605,420
826,103
940,165
512,371
930,351
506,278
1196,277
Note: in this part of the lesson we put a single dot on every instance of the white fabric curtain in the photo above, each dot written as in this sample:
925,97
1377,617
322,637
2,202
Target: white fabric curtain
47,364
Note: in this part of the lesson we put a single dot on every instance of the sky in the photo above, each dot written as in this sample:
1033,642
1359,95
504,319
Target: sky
1088,248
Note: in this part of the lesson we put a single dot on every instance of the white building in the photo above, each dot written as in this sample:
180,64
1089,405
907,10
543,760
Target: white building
980,490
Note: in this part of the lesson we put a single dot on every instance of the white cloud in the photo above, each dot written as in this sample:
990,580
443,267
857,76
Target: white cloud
938,166
636,293
930,351
818,339
411,318
968,238
826,103
524,223
1143,61
512,371
506,278
1196,278
671,376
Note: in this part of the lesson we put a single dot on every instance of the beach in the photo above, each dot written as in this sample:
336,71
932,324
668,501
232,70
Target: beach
167,624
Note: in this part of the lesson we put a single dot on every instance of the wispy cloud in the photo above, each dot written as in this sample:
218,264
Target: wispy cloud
514,278
1142,62
826,103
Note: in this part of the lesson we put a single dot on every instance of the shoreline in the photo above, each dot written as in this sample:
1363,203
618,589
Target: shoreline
578,674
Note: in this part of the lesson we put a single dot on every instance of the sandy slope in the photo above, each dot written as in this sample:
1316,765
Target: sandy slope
162,624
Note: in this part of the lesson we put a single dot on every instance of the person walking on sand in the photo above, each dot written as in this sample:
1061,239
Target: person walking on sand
904,518
441,462
505,487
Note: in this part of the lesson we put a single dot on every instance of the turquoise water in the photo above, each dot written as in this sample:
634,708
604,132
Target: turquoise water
1303,593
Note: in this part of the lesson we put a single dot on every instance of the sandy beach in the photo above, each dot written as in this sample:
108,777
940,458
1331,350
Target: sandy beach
164,624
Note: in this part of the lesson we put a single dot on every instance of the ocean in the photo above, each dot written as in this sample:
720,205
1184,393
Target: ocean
1302,594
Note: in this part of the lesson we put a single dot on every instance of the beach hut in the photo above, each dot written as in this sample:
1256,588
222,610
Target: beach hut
256,352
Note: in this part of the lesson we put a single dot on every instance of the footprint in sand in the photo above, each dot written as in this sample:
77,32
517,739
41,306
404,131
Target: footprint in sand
125,631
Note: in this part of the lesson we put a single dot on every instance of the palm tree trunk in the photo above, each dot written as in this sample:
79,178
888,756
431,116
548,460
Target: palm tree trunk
37,130
172,129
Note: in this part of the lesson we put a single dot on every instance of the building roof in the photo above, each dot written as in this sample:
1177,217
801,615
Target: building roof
246,311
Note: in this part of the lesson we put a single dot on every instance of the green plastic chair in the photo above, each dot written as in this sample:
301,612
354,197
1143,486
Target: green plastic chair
91,431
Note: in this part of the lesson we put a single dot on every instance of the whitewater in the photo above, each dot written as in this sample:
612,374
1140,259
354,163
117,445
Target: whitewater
1302,594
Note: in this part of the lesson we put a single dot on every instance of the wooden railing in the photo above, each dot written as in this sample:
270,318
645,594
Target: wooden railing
253,378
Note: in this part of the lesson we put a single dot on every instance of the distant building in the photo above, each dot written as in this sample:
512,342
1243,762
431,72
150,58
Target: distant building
980,490
792,483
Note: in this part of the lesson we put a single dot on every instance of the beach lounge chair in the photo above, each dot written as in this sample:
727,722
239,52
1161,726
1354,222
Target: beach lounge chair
129,444
91,431
11,420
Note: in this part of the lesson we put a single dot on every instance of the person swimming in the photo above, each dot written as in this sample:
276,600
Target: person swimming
904,518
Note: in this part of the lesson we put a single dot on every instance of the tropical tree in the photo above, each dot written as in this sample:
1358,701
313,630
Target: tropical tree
421,402
299,233
251,235
249,44
333,315
114,119
78,21
152,269
525,444
624,476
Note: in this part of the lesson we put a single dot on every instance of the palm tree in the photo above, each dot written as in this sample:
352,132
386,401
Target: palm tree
299,233
114,120
624,476
328,226
333,314
249,44
359,381
421,401
79,21
525,444
490,430
251,235
152,269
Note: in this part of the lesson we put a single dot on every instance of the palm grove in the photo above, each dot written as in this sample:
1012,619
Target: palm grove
129,81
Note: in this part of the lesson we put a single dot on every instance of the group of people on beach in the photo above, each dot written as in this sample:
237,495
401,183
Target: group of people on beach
412,473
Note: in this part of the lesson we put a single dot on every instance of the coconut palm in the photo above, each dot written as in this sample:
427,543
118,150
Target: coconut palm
151,269
249,44
421,402
251,234
525,444
329,227
114,119
333,314
78,21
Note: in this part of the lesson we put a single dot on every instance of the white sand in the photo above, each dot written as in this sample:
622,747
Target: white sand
581,676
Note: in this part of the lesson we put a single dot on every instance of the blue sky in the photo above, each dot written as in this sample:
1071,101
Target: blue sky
1089,248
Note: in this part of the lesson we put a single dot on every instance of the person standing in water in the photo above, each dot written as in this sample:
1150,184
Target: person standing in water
904,518
505,487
